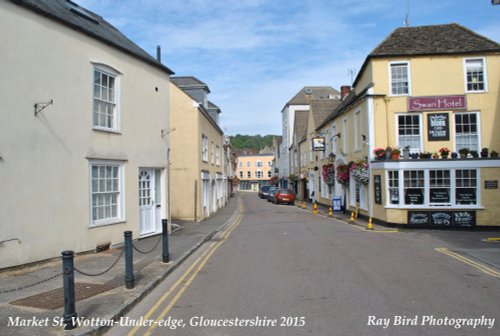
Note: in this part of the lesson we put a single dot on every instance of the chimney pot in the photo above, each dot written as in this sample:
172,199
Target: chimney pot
158,54
344,91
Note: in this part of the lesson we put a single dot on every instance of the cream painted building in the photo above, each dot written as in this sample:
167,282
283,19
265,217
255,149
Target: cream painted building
254,170
424,88
84,111
198,157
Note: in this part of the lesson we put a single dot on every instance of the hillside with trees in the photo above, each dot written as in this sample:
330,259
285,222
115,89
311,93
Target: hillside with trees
239,141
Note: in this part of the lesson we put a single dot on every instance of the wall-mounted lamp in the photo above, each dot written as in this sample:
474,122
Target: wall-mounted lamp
39,107
336,136
363,137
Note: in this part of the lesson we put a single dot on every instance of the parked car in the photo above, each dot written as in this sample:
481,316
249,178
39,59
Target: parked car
264,191
270,196
284,196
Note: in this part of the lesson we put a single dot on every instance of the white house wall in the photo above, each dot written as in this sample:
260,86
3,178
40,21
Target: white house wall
44,165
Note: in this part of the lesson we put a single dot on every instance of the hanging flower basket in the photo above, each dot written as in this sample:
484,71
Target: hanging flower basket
360,172
342,174
328,173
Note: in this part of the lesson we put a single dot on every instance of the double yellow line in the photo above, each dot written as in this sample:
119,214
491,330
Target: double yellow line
476,265
197,266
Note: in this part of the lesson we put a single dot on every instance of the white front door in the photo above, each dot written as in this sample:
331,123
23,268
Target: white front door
147,204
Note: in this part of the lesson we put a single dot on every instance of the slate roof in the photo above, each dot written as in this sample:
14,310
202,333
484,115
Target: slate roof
434,40
321,109
316,92
71,15
189,82
301,121
212,106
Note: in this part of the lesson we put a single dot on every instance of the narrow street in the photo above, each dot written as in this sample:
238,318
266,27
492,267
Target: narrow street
279,270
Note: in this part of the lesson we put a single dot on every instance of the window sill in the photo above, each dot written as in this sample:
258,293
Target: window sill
106,130
106,222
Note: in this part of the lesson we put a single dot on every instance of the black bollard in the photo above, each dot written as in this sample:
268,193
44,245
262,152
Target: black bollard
129,262
165,253
69,290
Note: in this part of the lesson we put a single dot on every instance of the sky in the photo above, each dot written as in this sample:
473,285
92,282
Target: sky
256,55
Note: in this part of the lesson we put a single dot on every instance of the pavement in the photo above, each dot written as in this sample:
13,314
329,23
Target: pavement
32,299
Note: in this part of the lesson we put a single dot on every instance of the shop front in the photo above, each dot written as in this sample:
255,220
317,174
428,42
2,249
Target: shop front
444,193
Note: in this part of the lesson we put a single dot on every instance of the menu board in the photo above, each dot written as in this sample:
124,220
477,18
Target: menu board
438,126
440,195
414,196
377,184
465,196
442,219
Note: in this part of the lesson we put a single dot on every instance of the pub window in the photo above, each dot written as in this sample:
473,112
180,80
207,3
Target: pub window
439,187
393,186
409,133
413,184
466,186
466,131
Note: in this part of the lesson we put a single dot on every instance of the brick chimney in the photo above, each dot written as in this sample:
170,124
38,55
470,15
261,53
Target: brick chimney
344,91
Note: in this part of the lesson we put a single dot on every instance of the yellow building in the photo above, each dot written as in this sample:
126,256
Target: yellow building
254,170
198,180
429,89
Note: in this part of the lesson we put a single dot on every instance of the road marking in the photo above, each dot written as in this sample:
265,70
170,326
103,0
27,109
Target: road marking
478,266
492,239
204,259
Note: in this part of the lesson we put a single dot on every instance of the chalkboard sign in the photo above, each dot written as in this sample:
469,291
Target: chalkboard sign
464,218
414,196
465,196
440,195
418,218
377,184
438,126
441,219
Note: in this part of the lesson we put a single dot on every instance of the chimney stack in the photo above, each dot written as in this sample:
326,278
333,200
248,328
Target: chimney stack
158,54
344,91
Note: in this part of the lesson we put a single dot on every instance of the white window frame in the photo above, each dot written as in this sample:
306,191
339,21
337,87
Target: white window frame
120,199
485,78
477,134
212,153
334,148
396,63
217,155
345,125
269,174
114,103
358,127
259,174
420,134
204,148
258,164
249,174
426,189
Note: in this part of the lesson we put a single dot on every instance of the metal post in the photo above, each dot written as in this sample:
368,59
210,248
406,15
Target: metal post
129,263
165,253
69,290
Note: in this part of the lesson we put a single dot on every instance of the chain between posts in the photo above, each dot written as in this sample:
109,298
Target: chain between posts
154,247
101,273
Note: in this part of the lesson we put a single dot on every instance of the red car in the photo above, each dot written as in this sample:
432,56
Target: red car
284,196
